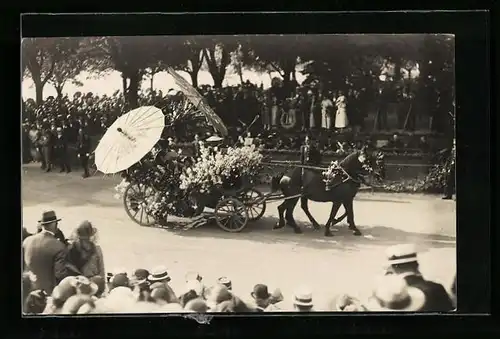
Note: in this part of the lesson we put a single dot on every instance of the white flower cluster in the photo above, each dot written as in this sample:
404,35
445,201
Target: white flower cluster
213,168
331,171
120,189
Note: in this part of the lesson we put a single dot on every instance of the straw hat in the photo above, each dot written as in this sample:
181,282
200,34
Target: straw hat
303,297
401,254
159,273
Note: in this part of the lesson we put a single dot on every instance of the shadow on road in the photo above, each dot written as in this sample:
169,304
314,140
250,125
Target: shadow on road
261,231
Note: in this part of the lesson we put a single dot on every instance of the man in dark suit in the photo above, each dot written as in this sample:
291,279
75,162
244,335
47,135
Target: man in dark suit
309,153
61,150
83,150
403,261
45,255
46,142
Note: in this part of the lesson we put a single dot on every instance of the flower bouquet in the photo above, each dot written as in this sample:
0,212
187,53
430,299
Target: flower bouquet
217,169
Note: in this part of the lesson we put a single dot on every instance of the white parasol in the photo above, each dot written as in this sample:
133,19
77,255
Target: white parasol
129,139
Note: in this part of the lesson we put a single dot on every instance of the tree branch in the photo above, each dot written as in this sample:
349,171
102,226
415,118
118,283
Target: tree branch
277,69
49,73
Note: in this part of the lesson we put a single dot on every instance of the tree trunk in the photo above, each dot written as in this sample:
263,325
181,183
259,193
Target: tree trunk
151,83
218,73
240,73
124,85
59,91
217,80
133,89
194,78
39,92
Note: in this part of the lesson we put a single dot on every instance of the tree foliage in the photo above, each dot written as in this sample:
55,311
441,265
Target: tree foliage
131,56
338,61
68,67
277,52
183,54
41,56
217,53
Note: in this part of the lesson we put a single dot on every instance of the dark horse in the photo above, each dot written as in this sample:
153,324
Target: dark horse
307,184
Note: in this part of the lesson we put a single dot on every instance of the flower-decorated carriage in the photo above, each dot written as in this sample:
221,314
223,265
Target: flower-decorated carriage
221,180
156,186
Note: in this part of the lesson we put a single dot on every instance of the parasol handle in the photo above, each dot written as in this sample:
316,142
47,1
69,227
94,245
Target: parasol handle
131,138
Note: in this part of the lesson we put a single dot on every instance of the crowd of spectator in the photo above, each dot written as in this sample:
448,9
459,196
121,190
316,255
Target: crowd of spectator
64,276
276,116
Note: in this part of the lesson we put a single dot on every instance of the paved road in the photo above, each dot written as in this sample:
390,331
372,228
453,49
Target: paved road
344,263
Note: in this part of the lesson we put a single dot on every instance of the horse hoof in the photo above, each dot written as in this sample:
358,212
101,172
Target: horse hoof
316,227
328,234
356,232
298,231
278,226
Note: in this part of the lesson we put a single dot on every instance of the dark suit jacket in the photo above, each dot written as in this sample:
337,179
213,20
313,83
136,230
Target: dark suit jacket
437,299
83,144
310,155
45,256
61,143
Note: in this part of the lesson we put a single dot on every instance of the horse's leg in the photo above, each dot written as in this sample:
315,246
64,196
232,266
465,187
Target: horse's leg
331,219
348,204
305,208
281,212
290,221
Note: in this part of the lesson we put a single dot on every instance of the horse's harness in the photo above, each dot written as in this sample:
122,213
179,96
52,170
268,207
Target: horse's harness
337,166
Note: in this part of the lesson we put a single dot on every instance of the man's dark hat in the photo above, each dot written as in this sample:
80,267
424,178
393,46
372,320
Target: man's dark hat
260,292
48,217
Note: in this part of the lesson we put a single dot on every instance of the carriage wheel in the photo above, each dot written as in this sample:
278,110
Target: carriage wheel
255,204
231,215
137,199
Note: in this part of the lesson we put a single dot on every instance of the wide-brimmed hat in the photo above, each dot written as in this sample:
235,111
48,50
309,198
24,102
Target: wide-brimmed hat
85,229
48,217
393,294
158,274
303,297
218,294
260,291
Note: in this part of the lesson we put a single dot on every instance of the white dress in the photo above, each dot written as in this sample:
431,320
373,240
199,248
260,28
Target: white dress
341,115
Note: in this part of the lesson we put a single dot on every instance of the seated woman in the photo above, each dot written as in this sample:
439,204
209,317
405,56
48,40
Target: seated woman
84,255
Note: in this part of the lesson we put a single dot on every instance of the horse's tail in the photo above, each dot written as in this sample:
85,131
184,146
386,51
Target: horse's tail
275,182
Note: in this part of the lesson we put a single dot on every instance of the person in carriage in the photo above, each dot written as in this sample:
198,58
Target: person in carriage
309,153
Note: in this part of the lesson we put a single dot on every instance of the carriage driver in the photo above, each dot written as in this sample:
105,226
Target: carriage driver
309,153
